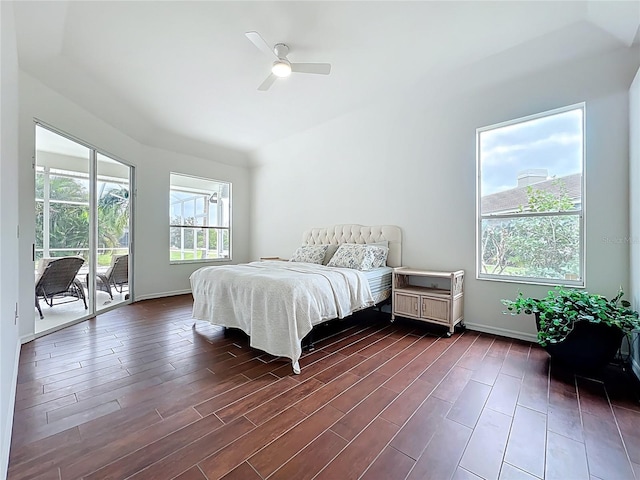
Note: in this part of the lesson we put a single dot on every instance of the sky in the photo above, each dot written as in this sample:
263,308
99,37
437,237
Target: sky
553,143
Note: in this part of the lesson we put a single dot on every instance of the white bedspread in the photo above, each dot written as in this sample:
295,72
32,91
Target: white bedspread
277,303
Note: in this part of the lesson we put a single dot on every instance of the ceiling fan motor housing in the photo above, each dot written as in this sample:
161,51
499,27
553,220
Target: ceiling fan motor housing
281,50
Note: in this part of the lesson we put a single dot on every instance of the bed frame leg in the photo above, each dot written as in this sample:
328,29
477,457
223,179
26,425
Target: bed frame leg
308,341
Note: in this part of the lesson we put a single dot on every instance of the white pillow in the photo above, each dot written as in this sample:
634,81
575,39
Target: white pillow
381,243
331,250
354,255
309,254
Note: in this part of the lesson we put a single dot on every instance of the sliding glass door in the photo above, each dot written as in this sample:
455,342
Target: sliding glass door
112,270
81,252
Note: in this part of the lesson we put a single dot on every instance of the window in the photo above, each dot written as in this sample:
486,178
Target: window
531,199
199,219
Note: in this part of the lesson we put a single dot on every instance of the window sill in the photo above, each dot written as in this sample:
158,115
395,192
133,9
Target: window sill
531,281
202,260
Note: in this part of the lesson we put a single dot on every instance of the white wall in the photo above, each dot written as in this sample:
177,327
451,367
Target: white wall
156,277
634,203
153,276
9,342
411,162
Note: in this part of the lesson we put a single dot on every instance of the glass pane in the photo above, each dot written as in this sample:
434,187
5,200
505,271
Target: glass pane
533,165
200,244
175,214
113,205
39,184
200,205
62,229
223,249
39,225
69,228
539,247
219,214
182,243
69,189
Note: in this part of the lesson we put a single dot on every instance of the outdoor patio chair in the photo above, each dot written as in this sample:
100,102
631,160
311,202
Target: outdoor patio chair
57,278
117,275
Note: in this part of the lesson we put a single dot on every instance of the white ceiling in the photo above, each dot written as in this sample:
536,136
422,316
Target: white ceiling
172,73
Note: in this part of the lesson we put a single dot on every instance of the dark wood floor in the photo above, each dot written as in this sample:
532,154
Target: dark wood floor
140,393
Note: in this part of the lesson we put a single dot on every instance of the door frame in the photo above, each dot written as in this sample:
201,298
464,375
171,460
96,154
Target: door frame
93,224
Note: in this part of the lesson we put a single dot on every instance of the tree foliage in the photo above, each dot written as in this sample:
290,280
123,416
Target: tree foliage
69,222
534,246
113,216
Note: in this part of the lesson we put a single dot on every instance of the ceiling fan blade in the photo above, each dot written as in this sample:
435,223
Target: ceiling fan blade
259,42
319,68
264,86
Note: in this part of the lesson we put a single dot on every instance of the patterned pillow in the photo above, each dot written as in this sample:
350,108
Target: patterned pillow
309,254
379,255
352,255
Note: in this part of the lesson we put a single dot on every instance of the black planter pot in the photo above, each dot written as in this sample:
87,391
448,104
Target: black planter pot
589,346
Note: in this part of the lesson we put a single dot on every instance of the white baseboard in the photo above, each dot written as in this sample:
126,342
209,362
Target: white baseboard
503,332
32,336
8,427
162,294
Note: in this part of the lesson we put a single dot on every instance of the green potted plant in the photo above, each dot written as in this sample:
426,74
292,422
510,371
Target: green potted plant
580,329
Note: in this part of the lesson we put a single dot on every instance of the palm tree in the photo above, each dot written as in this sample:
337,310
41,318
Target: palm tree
113,216
69,222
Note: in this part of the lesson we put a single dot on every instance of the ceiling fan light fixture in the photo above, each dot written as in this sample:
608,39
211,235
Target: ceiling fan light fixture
281,68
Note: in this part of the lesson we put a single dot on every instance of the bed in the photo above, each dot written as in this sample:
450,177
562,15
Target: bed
278,303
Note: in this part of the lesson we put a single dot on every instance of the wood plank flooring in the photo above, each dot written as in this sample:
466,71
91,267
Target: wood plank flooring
139,392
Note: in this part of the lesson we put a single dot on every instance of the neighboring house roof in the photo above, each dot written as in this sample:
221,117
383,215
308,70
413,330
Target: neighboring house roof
511,200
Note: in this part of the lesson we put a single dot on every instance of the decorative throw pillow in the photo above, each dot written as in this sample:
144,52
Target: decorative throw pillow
353,255
309,254
379,255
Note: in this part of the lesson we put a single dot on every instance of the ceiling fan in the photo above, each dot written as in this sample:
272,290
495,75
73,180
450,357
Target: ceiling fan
281,66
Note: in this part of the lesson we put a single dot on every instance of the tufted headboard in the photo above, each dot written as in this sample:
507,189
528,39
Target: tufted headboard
337,234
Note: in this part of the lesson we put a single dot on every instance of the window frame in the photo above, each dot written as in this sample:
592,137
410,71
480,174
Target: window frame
580,213
198,192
